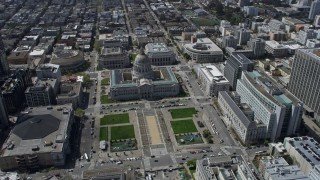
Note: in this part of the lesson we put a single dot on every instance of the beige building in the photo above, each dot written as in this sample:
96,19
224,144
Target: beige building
40,139
70,91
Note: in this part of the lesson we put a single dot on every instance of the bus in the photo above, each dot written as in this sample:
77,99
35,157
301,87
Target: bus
86,156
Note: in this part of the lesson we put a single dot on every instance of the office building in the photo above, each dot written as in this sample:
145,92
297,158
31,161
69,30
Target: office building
13,88
305,151
243,35
313,43
43,93
223,167
235,64
276,36
300,5
273,168
12,92
4,66
251,10
275,49
229,41
143,81
257,46
203,50
114,58
51,71
70,91
40,139
304,35
277,109
160,54
314,9
243,3
240,117
276,25
315,172
304,81
211,79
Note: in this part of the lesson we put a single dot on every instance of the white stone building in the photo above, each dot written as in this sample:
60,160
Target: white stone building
143,81
211,79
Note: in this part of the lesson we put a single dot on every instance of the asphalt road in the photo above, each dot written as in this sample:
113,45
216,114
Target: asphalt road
221,128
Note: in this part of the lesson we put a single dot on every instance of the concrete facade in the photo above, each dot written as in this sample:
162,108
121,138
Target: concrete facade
235,64
114,58
28,149
304,150
241,119
159,54
211,79
304,82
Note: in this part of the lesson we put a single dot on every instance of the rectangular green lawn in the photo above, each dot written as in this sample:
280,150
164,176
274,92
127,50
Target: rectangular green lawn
114,119
105,99
122,132
103,134
105,82
182,113
183,126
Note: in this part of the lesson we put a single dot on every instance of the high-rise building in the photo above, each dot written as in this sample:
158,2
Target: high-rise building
243,35
315,9
257,46
4,66
235,64
304,35
305,82
229,41
244,3
276,108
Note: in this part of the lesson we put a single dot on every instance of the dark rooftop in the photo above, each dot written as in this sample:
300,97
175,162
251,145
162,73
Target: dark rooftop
36,126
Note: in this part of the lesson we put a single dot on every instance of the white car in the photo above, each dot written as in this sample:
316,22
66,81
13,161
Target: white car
119,162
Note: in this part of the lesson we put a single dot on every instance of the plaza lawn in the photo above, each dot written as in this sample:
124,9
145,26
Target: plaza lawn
183,126
122,132
105,99
182,113
114,119
103,134
105,82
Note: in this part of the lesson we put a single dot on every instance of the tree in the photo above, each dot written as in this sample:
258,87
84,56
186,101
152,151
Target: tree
192,163
79,112
86,80
219,8
206,133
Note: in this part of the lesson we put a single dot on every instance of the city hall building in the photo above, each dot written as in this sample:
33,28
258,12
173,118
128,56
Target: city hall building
143,81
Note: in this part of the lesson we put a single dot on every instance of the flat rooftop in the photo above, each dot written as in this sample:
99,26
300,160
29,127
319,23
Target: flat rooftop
111,51
39,130
307,147
275,45
123,77
205,46
156,47
213,74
